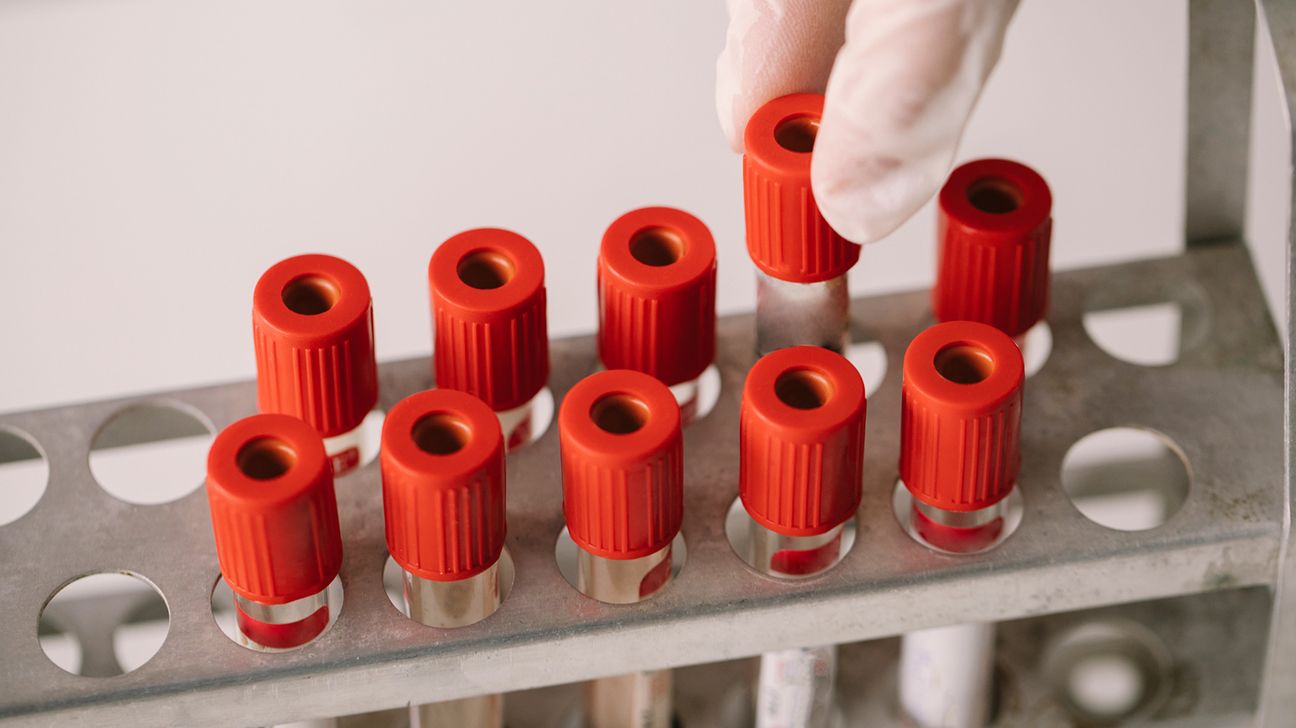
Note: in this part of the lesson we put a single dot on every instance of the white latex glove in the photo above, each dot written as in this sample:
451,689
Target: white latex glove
900,79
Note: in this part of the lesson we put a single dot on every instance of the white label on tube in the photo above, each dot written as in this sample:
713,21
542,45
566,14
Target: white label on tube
795,688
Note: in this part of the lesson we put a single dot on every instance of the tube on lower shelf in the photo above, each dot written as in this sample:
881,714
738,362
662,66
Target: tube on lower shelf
491,337
623,498
312,326
443,476
275,523
961,407
801,295
656,291
801,439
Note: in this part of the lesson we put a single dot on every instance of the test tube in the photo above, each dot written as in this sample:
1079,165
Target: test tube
656,291
623,469
312,326
961,407
443,480
491,338
801,293
275,523
801,435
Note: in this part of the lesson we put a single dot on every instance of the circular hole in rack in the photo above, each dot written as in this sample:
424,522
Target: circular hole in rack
485,270
1108,672
1126,478
23,475
1036,345
1152,325
151,453
118,621
394,583
225,615
657,246
870,360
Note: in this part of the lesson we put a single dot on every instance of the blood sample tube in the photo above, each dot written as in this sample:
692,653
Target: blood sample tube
622,465
275,522
656,289
993,235
801,435
491,339
961,406
312,325
801,294
443,502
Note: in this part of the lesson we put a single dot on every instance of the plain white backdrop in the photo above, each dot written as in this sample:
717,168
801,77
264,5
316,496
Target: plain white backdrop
156,157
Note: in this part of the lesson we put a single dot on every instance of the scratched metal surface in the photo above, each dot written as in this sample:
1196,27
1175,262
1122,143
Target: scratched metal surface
1221,403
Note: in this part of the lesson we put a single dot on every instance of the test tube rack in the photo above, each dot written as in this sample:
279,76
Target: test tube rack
1217,581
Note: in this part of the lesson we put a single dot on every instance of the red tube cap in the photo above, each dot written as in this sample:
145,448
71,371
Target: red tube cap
801,434
488,313
312,324
960,416
656,284
994,235
787,238
443,485
622,464
273,511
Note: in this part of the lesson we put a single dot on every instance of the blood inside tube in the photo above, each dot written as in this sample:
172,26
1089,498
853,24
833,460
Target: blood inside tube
807,562
282,636
957,539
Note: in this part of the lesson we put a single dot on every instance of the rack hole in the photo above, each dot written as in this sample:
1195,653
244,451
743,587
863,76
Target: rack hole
23,475
657,246
310,295
994,195
1036,346
1147,335
619,414
441,434
1108,673
797,134
265,458
870,360
153,453
964,363
118,620
1126,478
485,269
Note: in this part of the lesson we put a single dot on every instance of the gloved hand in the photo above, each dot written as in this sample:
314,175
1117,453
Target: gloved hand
900,79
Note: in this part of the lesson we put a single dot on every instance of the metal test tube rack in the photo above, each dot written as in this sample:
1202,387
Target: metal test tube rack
1226,557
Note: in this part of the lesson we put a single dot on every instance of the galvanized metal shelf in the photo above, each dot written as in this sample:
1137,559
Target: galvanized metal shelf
1221,403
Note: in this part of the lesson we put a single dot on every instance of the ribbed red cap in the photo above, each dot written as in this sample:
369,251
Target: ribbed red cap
622,464
443,485
656,288
994,235
801,435
312,325
488,314
787,237
960,416
273,511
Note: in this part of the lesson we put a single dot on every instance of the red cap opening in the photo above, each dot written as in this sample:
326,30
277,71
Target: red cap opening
787,237
622,464
488,313
801,432
443,485
656,284
273,511
312,325
960,416
994,231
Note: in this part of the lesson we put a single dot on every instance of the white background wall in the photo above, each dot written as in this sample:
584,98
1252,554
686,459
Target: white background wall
156,156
